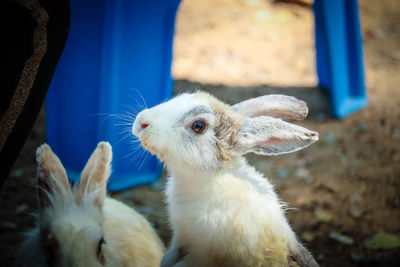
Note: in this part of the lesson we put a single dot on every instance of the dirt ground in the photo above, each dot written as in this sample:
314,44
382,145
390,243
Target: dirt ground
344,189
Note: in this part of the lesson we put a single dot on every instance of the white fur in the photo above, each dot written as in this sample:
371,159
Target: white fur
222,212
69,228
166,132
278,106
202,209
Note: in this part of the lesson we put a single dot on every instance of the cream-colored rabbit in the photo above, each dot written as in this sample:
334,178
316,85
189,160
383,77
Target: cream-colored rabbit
222,211
83,227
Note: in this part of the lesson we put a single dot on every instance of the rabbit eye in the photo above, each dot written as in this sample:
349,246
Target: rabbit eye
199,126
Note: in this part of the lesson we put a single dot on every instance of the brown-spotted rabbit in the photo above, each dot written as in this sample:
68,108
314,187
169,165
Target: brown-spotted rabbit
83,227
222,211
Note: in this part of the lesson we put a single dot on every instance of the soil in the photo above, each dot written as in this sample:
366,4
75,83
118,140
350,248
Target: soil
348,183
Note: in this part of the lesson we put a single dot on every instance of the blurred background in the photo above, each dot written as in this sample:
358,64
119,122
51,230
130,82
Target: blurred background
343,190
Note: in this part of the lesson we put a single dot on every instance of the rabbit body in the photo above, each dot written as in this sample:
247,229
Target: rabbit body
132,239
83,227
222,211
231,219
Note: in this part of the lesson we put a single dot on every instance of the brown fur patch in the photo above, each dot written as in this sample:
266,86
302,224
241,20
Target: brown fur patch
227,126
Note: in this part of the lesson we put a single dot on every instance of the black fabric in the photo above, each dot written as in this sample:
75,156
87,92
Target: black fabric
17,31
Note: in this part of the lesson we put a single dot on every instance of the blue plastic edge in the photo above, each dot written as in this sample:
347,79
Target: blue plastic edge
348,92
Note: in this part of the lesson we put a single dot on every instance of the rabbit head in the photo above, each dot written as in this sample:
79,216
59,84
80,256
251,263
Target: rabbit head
69,227
199,132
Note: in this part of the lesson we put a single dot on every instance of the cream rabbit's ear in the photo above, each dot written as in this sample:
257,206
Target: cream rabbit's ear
52,177
270,136
277,106
95,175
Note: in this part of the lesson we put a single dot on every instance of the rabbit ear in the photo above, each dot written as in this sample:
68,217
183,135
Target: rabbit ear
270,136
95,175
52,177
277,106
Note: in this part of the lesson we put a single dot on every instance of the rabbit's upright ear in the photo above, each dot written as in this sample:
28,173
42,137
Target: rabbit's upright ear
277,106
95,175
270,136
52,177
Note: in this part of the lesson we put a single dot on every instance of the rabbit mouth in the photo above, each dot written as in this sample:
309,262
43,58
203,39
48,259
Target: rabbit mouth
147,146
152,149
145,143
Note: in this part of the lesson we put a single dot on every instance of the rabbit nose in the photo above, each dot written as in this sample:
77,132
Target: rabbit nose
141,122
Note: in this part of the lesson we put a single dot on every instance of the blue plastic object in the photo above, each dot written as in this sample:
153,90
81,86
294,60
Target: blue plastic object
339,54
114,47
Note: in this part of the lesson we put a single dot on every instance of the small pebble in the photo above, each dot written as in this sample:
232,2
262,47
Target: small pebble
303,200
308,180
362,127
330,138
307,236
380,33
395,54
355,213
323,216
302,173
343,239
353,170
396,133
356,198
283,173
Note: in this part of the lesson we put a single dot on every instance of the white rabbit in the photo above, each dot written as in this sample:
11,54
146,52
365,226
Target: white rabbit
222,211
83,227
